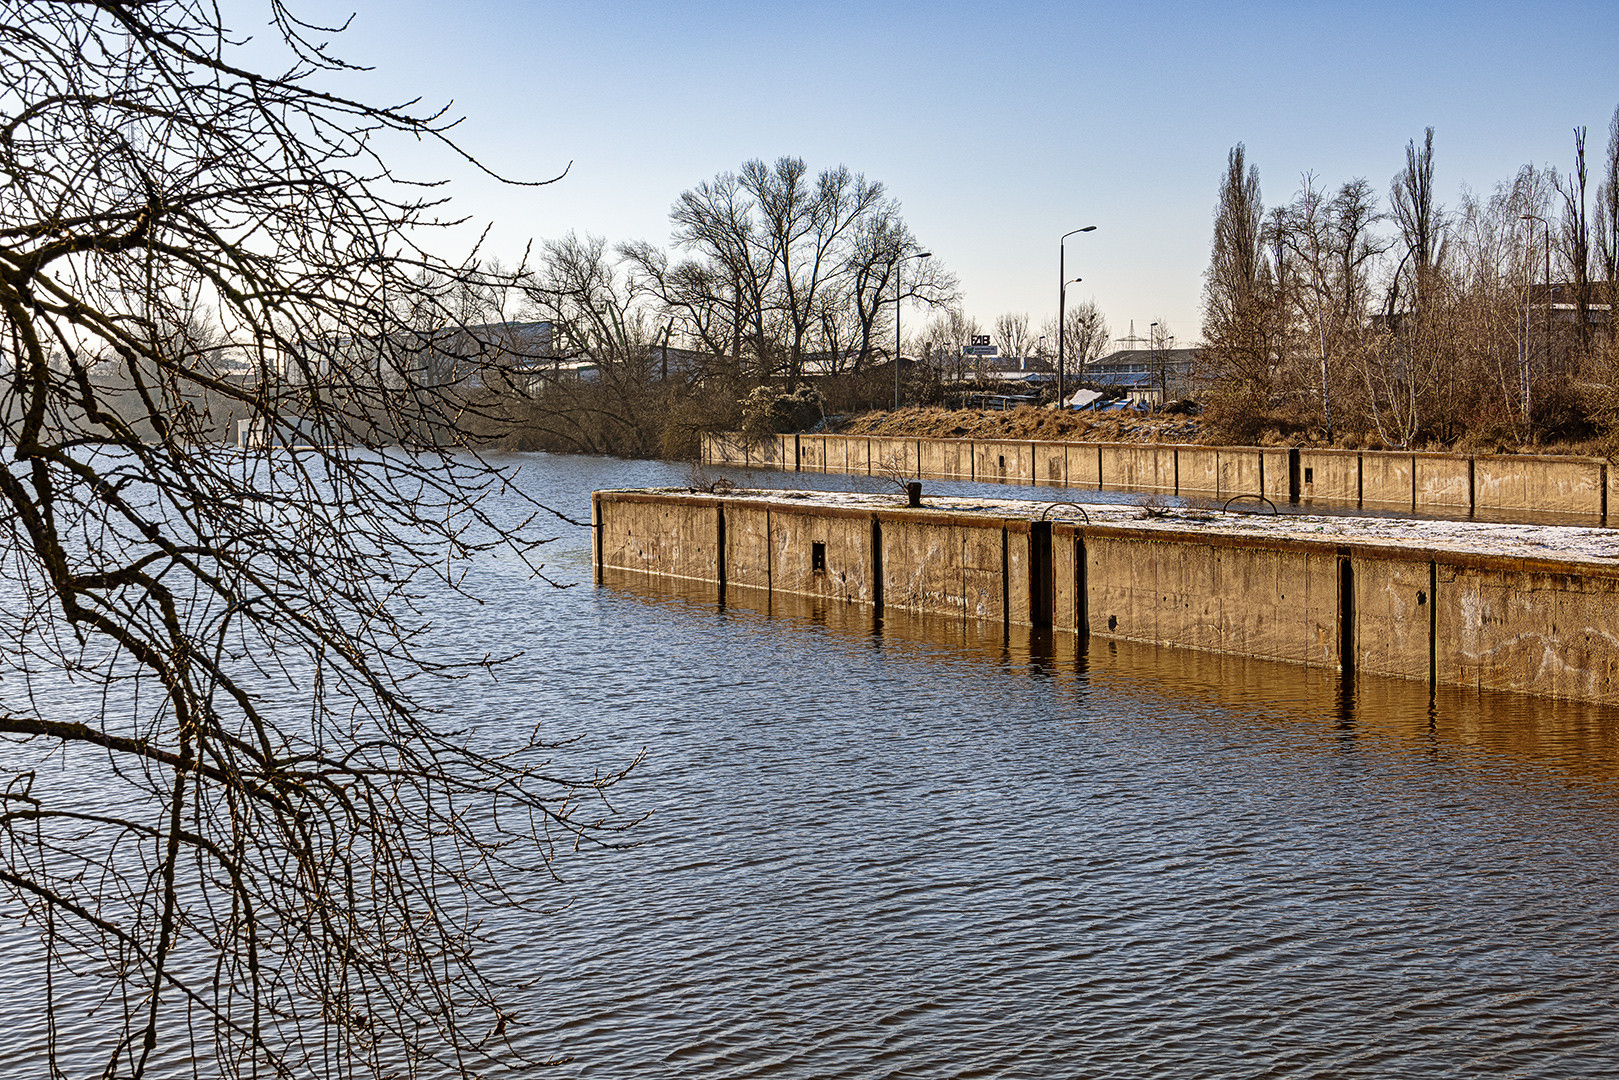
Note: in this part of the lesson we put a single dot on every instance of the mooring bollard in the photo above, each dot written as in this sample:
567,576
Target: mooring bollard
913,493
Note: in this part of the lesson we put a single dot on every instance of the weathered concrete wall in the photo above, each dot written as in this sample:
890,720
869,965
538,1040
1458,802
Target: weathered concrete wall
1070,562
1331,476
1138,467
1392,618
846,539
1050,463
946,459
1535,628
1386,480
895,458
1084,465
1276,475
1447,484
939,566
1443,481
1489,622
812,453
1239,471
1566,485
1002,462
1276,602
667,536
1197,470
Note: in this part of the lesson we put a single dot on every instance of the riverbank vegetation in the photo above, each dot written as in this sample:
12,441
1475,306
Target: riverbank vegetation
776,276
1338,317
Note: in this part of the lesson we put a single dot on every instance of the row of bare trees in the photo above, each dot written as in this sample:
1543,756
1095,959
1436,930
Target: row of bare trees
941,341
774,274
1335,316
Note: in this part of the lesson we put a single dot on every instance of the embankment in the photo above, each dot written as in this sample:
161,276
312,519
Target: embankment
1532,609
1500,487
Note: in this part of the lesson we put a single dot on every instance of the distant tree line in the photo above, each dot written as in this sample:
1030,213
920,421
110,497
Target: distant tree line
1339,317
774,276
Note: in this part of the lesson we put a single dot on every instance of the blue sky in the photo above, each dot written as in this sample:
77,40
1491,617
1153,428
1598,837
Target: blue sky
998,126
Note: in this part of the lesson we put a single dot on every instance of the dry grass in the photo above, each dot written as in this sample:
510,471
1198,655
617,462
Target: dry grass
1037,424
1026,423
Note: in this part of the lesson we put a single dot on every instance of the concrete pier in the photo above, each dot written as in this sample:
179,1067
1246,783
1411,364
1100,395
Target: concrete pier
1532,609
1506,486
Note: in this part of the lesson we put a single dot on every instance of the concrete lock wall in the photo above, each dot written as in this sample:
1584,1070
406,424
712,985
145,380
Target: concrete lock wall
1483,621
1331,476
1239,472
1444,484
1197,470
1567,485
945,459
1143,467
1084,465
1277,602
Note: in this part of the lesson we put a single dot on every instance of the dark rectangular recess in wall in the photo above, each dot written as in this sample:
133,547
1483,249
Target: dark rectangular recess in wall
1293,474
1346,615
877,565
719,547
1082,600
818,557
1041,580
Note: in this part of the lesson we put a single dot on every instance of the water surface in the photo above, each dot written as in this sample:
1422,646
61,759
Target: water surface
927,849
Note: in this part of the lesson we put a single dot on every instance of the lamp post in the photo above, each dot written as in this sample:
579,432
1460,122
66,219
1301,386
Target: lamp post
899,299
1062,295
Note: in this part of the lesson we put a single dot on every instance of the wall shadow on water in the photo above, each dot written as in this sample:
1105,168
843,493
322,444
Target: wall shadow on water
1577,739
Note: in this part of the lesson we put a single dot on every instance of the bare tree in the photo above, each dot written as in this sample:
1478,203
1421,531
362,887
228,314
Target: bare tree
804,265
1605,234
1576,240
1405,373
1605,258
1239,350
1328,246
1421,222
947,334
282,861
1086,338
1012,335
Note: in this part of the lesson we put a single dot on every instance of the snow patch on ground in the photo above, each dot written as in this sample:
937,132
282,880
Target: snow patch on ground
1558,542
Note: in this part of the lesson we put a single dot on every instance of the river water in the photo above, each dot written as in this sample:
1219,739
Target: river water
914,850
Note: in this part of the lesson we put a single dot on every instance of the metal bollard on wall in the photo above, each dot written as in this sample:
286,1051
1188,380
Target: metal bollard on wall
913,493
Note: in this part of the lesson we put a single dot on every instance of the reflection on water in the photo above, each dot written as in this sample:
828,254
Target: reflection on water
932,849
1572,736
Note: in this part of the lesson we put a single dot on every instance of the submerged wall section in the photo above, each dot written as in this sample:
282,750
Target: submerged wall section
1467,618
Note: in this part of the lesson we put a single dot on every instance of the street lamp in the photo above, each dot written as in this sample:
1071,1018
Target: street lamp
899,299
1062,295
